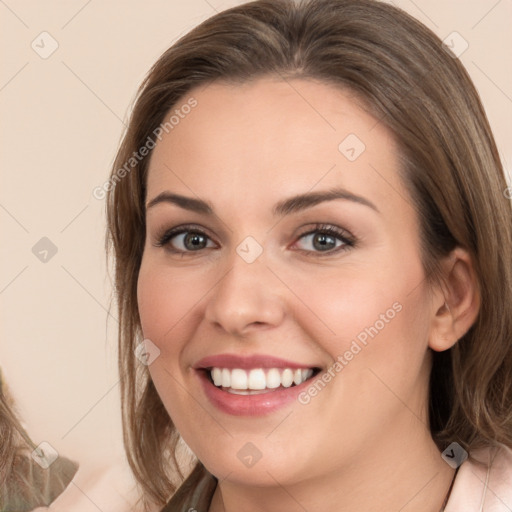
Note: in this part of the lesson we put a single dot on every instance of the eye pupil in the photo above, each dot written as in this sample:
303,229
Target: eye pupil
324,241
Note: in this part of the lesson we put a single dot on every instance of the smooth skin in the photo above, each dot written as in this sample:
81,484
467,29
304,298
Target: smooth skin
363,442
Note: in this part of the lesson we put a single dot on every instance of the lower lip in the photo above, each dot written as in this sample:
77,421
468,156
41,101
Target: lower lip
250,405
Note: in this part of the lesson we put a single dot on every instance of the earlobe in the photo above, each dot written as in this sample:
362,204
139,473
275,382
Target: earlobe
456,307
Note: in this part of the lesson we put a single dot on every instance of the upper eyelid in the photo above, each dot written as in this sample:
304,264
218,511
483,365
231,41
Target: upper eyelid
180,230
318,226
339,233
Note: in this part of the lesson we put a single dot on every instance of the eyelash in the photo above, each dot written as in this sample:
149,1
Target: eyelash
348,240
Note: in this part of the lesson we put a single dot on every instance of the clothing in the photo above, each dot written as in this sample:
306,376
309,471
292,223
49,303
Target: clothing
484,489
203,484
110,488
475,489
30,486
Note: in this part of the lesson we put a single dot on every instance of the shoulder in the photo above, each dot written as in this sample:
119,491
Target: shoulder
195,493
109,488
484,482
30,483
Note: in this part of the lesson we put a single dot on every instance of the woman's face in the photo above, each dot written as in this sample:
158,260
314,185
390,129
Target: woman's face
295,256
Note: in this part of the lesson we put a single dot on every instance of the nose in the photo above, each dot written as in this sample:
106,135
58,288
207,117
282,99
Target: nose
248,297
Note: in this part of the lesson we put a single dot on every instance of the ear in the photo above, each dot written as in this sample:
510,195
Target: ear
456,305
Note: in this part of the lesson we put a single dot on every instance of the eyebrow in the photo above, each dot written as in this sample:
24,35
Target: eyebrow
285,207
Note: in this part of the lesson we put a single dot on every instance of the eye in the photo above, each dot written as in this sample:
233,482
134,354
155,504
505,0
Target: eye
322,238
184,239
326,239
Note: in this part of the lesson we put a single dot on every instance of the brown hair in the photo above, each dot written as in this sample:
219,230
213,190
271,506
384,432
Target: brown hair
24,485
451,168
14,440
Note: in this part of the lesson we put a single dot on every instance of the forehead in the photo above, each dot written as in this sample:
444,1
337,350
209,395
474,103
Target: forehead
250,144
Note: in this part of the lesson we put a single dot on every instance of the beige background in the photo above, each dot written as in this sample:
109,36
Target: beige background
62,118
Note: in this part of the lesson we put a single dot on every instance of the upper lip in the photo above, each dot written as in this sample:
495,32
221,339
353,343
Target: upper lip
248,362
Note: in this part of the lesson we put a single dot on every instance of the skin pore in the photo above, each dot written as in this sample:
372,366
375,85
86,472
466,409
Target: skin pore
363,441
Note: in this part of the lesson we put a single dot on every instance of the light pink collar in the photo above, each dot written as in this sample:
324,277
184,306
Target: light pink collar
486,488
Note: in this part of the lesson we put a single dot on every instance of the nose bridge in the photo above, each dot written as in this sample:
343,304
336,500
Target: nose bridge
247,295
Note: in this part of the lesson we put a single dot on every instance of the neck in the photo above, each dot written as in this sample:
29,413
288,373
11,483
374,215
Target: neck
395,475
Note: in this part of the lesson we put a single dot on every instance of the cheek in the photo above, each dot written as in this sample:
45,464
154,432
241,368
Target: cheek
167,301
152,300
377,316
166,306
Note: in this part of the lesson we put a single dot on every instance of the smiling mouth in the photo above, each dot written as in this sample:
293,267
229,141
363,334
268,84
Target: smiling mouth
257,381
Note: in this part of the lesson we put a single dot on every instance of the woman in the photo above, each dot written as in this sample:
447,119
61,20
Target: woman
36,478
312,242
30,477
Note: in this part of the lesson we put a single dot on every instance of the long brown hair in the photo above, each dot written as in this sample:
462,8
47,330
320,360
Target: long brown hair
450,166
24,485
14,440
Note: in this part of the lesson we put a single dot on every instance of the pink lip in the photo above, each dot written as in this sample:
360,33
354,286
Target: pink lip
249,405
248,362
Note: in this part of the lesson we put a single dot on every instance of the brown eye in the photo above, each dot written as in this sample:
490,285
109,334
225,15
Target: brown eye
185,240
194,241
326,239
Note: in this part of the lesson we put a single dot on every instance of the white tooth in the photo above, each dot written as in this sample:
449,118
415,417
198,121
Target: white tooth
238,391
287,378
306,374
238,379
217,376
273,378
257,379
226,378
